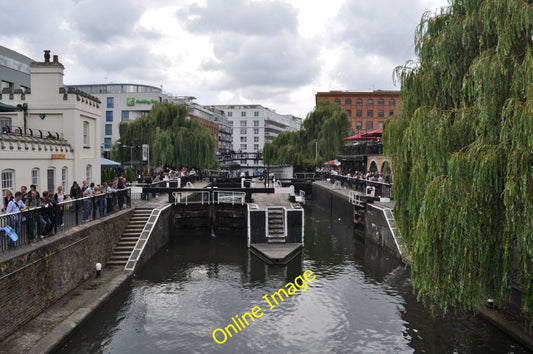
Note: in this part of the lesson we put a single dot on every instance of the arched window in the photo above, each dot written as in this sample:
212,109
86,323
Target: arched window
381,102
373,166
64,178
392,102
337,100
358,101
36,178
89,173
8,181
51,179
348,102
370,102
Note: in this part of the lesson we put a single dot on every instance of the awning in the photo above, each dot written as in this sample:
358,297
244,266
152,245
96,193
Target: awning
8,108
372,135
109,163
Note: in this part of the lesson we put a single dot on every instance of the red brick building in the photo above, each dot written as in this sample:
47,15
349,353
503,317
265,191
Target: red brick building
367,110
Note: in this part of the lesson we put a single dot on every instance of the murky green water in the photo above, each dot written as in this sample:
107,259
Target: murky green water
361,301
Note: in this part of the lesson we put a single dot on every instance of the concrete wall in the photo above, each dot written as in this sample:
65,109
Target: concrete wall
32,281
377,229
333,200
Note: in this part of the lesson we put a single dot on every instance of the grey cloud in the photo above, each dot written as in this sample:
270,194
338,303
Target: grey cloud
100,21
240,16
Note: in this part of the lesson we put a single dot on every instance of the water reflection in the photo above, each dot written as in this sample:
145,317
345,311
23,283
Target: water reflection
360,302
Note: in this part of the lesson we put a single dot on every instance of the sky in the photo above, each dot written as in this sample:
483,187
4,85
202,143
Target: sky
276,53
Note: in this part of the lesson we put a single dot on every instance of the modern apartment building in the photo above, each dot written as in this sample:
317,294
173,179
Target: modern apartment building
367,110
14,71
254,125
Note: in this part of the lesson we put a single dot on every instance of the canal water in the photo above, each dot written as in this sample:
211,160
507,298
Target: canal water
360,301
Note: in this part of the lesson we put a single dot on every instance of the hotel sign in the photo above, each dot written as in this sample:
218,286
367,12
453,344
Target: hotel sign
58,156
131,101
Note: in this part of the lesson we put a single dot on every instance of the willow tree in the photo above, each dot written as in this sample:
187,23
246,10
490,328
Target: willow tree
326,126
463,153
174,140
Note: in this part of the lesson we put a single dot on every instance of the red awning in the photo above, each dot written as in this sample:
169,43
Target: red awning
372,135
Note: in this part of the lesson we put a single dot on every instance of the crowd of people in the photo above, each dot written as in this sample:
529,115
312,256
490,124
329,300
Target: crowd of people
50,207
365,175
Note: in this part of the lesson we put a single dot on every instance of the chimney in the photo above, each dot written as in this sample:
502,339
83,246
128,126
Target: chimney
56,59
46,56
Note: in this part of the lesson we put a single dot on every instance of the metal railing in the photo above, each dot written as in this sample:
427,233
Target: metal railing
192,197
382,189
33,223
221,197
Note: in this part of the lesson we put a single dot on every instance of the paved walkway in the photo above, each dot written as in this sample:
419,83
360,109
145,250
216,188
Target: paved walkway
53,326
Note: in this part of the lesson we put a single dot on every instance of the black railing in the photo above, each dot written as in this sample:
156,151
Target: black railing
237,156
31,224
382,189
363,149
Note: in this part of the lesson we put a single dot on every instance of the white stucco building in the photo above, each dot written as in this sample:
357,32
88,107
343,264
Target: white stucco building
254,125
55,138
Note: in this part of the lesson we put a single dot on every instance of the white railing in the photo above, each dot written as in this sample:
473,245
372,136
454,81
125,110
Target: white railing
191,198
221,197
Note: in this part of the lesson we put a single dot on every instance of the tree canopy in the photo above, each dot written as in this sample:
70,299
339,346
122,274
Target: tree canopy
327,124
463,153
173,139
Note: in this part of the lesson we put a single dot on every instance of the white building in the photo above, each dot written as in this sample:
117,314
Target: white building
55,139
122,102
254,125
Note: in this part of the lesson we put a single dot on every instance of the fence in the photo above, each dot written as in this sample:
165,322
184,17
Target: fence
383,190
31,224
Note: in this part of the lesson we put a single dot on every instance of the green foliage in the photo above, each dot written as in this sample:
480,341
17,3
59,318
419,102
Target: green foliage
173,139
108,174
463,162
130,176
328,124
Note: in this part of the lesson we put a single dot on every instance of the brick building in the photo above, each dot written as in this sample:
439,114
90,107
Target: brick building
367,110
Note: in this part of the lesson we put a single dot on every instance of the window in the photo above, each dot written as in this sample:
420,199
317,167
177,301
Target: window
359,101
391,113
369,125
256,131
381,102
256,139
348,102
108,116
337,101
110,102
349,111
244,147
5,122
243,139
243,131
392,102
370,102
359,113
108,129
35,177
86,134
243,122
243,114
370,113
230,114
256,123
64,179
256,113
89,174
358,125
256,147
380,125
7,181
381,113
51,180
125,115
107,143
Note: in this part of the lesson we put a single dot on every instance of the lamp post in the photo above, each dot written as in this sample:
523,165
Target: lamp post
131,151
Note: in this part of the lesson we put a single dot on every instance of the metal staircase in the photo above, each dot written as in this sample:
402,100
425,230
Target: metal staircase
276,225
129,237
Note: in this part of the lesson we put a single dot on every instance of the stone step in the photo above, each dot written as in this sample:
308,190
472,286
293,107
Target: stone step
131,233
116,263
134,228
120,258
126,244
128,238
123,248
121,253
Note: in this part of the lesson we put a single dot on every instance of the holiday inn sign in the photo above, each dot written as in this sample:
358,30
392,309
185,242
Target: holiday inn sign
131,101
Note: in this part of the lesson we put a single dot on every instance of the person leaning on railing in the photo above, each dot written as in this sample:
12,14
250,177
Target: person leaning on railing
35,221
15,207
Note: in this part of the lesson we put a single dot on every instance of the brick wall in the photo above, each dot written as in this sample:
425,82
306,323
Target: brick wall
32,281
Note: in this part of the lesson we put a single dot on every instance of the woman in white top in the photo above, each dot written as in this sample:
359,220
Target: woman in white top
60,197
